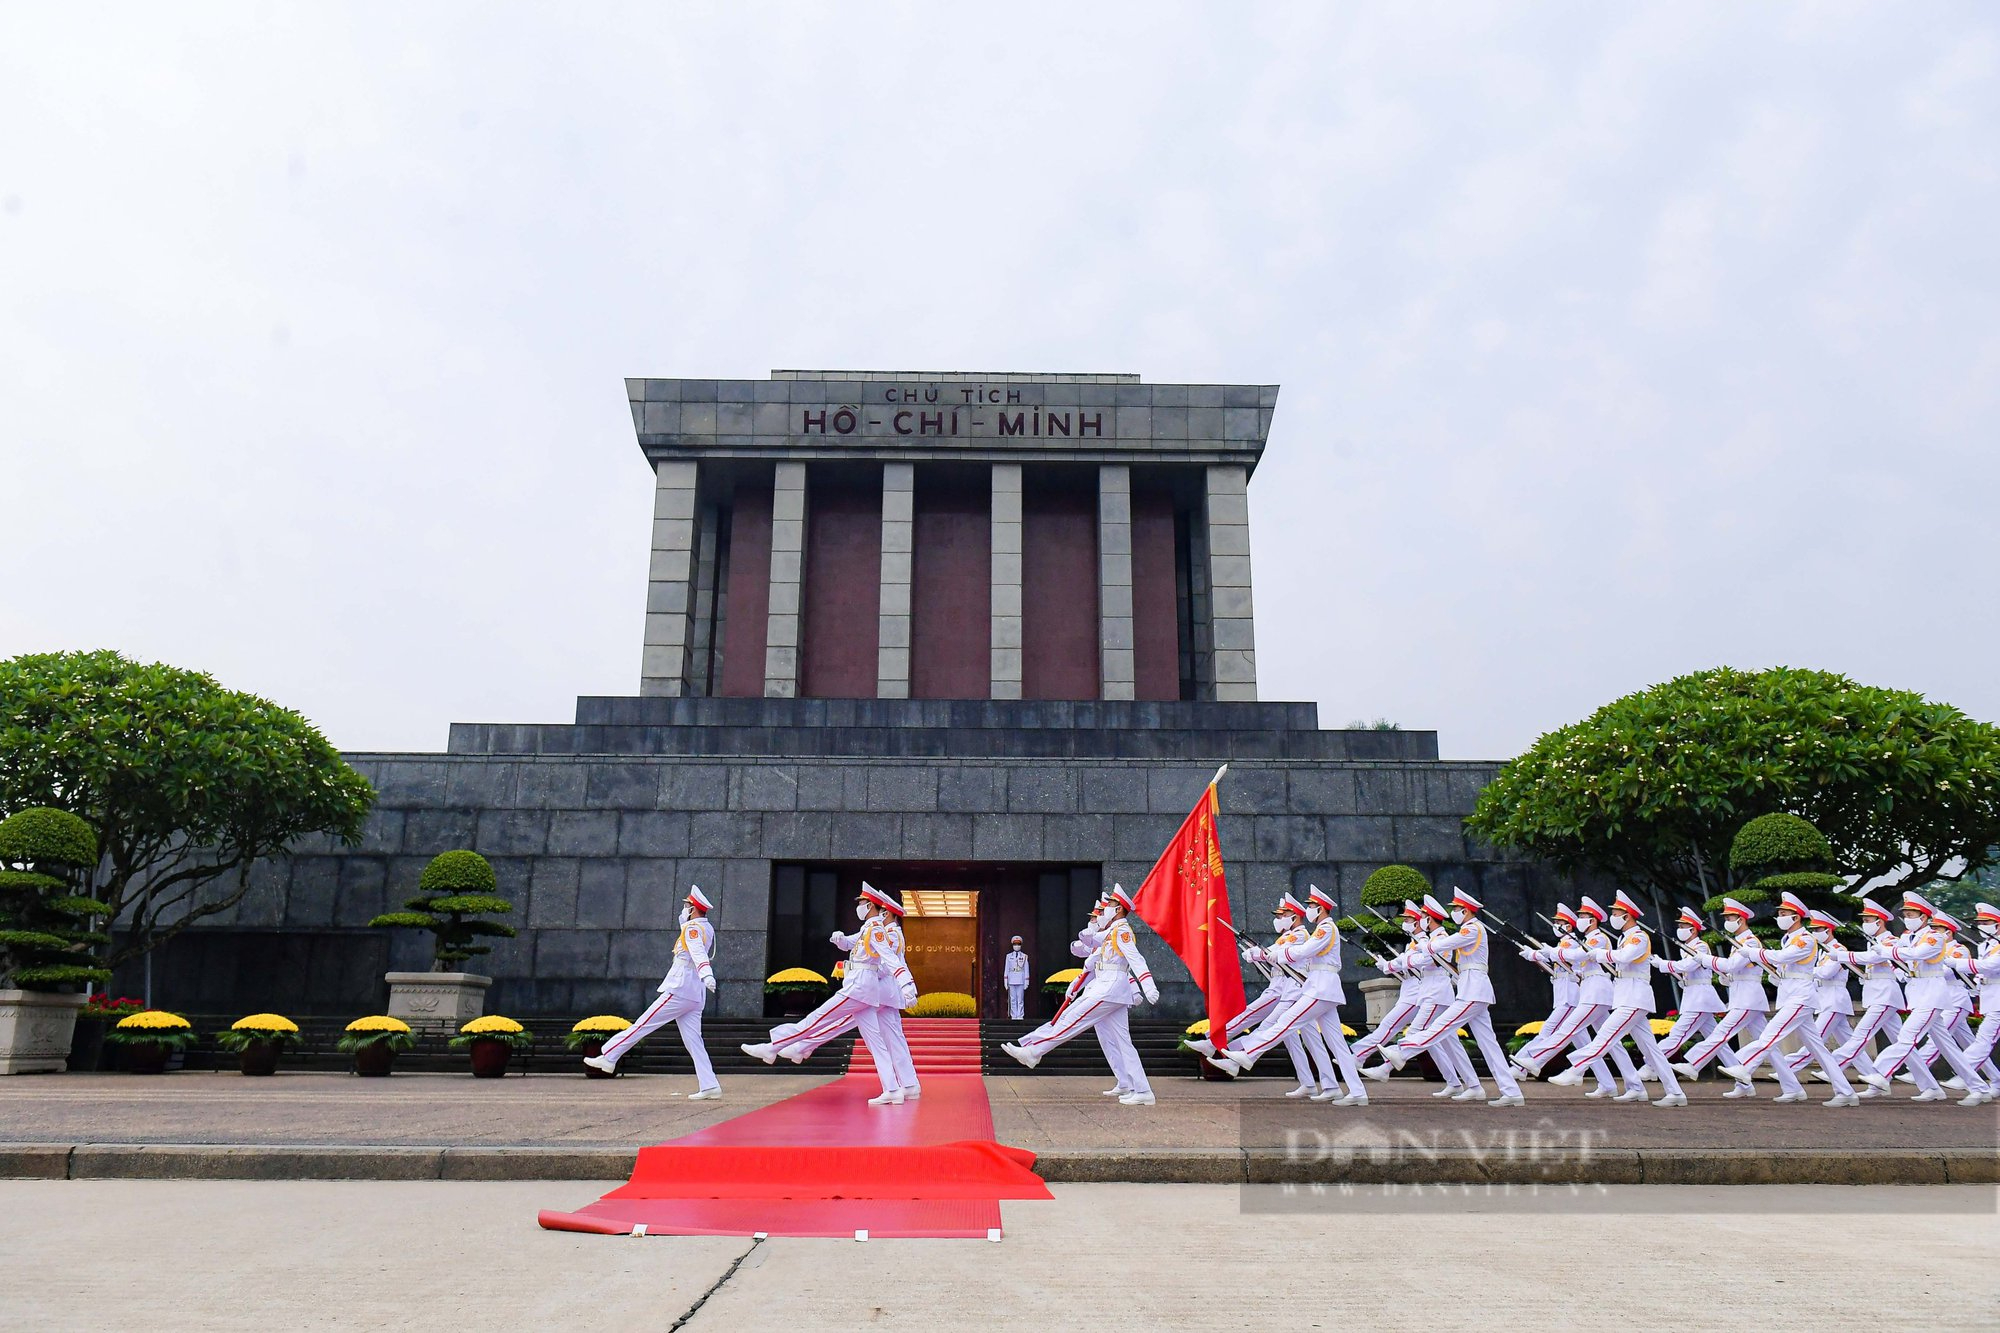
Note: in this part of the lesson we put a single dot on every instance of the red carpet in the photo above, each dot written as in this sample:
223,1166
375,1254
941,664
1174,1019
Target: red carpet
825,1163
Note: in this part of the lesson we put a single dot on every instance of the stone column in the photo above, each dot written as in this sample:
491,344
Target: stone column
663,667
701,643
899,521
1235,652
1116,669
788,570
1006,640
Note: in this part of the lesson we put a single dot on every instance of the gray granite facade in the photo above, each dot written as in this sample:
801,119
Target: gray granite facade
596,850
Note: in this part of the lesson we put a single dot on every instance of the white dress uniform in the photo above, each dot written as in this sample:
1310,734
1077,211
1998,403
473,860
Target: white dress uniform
1280,987
1118,977
1437,989
881,1023
683,993
1795,959
1563,990
1881,998
1983,970
1407,1004
1470,950
1014,975
1632,1008
1316,1002
1833,1003
1701,1003
1745,1005
1579,1028
1085,948
1929,999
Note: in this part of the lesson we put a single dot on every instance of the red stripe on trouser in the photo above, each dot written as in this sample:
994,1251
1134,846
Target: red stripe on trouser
1249,1017
1606,1035
837,1012
627,1037
1392,1023
1445,1026
1871,1020
1731,1024
1566,1032
1269,1042
1057,1036
1781,1026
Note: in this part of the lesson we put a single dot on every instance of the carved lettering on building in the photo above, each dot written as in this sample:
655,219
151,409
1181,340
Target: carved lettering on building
961,412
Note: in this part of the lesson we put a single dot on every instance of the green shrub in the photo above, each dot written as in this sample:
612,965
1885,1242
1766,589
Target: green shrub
455,894
45,935
1777,844
1392,886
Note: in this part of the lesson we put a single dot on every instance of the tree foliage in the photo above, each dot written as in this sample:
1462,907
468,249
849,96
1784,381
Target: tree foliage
184,782
1652,788
45,935
455,893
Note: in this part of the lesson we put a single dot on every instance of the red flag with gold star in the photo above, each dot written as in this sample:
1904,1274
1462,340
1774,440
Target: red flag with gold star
1186,901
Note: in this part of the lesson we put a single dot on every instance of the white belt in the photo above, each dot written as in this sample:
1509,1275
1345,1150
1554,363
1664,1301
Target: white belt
1321,967
1471,967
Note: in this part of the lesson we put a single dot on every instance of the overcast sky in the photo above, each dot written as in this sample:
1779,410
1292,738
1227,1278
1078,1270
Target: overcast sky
1615,341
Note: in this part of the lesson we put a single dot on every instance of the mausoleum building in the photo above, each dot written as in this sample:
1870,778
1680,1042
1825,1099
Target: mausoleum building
977,638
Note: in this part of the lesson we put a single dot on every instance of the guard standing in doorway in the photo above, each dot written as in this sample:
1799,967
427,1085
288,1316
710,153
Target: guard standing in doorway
1016,976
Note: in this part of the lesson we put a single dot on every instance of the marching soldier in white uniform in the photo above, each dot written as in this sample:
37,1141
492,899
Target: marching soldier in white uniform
1085,948
1282,986
1593,1004
1015,976
1558,1030
1881,1000
1416,1004
1470,953
1924,949
1793,961
1833,1005
1118,978
1743,1015
1983,970
875,975
1695,970
1630,964
1316,1003
689,982
881,1023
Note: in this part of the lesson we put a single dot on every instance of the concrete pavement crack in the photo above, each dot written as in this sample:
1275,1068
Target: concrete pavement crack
720,1282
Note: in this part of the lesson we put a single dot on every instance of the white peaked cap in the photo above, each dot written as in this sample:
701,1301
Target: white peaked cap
699,899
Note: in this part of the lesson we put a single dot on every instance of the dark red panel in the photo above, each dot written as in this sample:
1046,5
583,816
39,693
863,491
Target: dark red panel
951,589
749,592
1155,613
1059,589
843,589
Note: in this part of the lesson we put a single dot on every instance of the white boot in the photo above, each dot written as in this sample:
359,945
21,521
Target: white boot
1305,1090
705,1095
1021,1053
762,1050
1136,1099
893,1097
599,1062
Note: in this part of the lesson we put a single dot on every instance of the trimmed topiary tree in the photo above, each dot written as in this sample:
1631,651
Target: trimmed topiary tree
455,895
1779,854
1386,890
46,943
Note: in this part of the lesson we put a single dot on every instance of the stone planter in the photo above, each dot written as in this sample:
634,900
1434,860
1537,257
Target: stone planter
446,1000
1380,997
35,1031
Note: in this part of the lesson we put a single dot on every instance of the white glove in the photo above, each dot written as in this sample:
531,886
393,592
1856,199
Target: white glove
1150,991
1254,953
708,983
1528,954
1660,965
908,995
835,939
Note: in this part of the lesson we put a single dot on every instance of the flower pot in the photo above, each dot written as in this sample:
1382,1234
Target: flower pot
35,1031
794,1004
146,1057
374,1059
258,1058
447,1000
490,1056
587,1049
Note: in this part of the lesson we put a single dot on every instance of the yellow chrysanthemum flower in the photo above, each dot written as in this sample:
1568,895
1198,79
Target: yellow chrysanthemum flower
1529,1029
1661,1026
491,1023
154,1019
1198,1028
794,974
378,1023
601,1023
1064,977
264,1023
944,1004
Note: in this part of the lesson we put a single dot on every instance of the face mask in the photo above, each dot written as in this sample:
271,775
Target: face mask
687,915
1871,927
861,911
1786,921
1461,918
1315,914
1281,923
1685,934
1409,926
1621,922
1913,924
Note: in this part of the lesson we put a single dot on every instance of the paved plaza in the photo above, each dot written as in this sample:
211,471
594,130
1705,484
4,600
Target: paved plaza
354,1255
